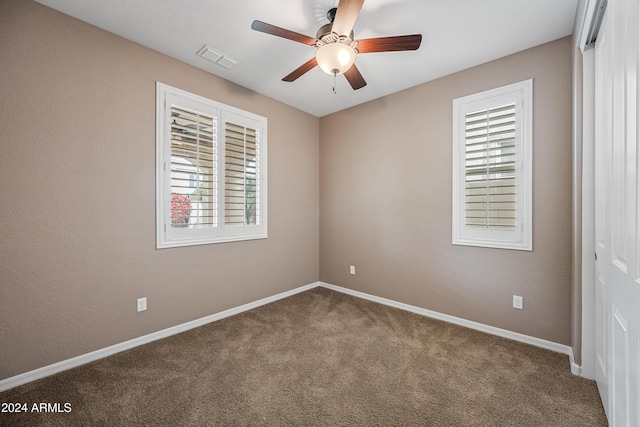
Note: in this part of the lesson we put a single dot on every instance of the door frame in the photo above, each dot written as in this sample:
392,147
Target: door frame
584,187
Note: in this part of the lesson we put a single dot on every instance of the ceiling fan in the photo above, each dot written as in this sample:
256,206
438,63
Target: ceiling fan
336,45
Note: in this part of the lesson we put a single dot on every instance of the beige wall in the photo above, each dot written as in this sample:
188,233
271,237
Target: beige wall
385,201
77,217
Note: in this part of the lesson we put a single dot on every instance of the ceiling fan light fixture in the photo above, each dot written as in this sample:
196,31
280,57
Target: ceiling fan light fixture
335,58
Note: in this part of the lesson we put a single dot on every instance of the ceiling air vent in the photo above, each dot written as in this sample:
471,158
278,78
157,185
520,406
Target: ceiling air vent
217,57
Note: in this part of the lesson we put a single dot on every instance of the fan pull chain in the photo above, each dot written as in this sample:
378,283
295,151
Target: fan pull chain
335,75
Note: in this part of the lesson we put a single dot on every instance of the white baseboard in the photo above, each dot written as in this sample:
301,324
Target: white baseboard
46,371
549,345
575,368
64,365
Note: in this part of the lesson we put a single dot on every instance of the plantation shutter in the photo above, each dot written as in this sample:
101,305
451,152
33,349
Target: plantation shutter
211,171
193,168
240,177
490,168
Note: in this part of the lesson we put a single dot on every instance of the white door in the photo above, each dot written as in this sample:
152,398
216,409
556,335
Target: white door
617,187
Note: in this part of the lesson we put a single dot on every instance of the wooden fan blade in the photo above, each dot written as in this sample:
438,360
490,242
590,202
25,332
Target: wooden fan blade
346,15
354,78
389,44
301,70
263,27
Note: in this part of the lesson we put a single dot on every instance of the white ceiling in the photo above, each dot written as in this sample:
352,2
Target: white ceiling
457,34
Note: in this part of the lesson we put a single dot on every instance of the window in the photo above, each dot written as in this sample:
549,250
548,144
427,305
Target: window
492,150
210,171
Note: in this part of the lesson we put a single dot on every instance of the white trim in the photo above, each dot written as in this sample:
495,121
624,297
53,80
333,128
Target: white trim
588,217
587,13
578,23
575,368
515,336
74,362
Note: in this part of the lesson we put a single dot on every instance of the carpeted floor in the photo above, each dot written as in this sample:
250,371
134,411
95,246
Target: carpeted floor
319,358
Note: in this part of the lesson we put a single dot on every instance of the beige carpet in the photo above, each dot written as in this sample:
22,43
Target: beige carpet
319,358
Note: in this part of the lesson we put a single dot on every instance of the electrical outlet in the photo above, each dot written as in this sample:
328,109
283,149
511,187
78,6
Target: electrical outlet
517,302
352,269
142,304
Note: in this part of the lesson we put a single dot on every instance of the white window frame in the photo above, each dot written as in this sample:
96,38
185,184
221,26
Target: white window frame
168,236
521,237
